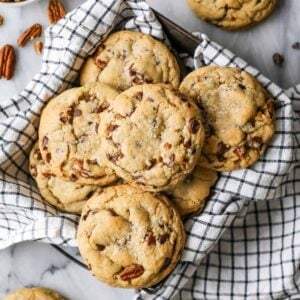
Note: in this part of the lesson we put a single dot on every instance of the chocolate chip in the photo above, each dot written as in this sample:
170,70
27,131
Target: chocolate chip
84,217
255,142
163,238
209,130
278,59
112,127
48,157
187,144
92,162
73,177
150,163
37,154
63,118
98,109
45,141
77,112
112,212
165,264
139,95
296,46
150,238
132,72
222,148
182,96
194,125
148,80
242,87
100,247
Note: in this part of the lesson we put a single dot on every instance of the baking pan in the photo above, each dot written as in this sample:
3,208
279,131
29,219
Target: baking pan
182,42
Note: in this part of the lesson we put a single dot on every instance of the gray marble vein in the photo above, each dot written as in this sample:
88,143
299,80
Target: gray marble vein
29,264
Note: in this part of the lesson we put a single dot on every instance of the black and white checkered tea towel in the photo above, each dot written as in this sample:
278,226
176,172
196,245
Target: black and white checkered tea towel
245,244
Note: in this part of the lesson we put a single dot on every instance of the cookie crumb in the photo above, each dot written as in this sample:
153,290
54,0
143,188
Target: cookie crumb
278,59
1,20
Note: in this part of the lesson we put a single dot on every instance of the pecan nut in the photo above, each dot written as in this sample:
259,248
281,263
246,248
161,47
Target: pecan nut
38,47
7,62
56,11
29,34
131,272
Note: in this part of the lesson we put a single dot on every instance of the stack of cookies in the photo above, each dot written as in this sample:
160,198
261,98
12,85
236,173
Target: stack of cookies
134,152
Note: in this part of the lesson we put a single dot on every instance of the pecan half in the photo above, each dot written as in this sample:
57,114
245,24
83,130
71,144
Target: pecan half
7,62
131,272
56,11
38,47
29,34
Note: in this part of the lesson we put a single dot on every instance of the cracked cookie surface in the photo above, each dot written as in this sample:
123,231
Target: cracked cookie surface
233,14
129,58
65,195
189,196
68,134
130,238
152,136
239,116
36,293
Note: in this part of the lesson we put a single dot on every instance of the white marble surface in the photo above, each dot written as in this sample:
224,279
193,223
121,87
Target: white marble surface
30,264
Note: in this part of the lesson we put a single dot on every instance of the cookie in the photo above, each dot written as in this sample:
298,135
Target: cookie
36,293
68,134
239,116
65,195
152,136
233,14
129,58
130,238
189,196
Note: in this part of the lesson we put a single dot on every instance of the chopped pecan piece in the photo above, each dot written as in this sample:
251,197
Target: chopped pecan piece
131,272
240,152
100,63
38,47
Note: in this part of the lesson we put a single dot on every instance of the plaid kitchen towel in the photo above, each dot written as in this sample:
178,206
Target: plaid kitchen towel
245,244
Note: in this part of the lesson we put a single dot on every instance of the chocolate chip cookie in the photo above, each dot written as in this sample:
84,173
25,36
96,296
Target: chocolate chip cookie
65,195
68,134
189,196
233,14
239,116
152,136
130,238
129,58
36,293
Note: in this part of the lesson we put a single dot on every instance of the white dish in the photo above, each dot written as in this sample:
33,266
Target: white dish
16,4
